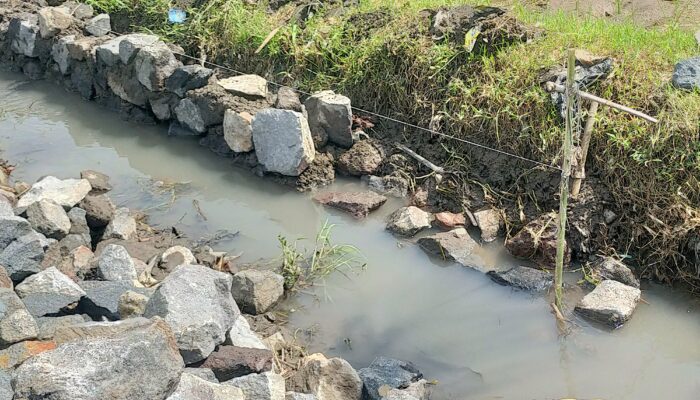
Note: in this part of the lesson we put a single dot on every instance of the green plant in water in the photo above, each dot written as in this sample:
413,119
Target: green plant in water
303,267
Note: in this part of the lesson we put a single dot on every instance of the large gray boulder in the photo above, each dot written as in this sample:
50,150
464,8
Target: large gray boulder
48,292
610,268
102,298
23,256
154,64
66,192
196,302
49,219
192,387
387,373
686,74
24,37
282,141
265,386
130,45
248,86
332,378
524,278
188,77
99,25
330,117
455,245
257,291
16,323
407,221
140,363
12,228
52,20
60,53
122,226
611,303
115,264
189,115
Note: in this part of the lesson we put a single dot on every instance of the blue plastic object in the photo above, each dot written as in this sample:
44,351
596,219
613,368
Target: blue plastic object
177,15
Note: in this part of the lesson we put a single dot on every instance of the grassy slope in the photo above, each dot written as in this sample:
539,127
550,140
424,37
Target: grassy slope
494,99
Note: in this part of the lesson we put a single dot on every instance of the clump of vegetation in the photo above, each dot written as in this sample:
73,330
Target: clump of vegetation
301,267
382,56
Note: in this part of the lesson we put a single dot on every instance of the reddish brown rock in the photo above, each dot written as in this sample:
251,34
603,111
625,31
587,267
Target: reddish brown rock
230,362
538,241
359,204
449,221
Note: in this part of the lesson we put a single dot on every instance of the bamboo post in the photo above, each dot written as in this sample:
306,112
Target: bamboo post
564,185
580,172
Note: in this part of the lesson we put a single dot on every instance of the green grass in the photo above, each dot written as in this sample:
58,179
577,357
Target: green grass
493,98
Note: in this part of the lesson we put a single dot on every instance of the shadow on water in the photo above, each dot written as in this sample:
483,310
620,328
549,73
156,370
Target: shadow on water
479,340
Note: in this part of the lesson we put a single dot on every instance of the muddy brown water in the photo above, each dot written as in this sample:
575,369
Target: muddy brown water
478,340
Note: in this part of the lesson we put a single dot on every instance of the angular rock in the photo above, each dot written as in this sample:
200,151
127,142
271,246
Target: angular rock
257,291
686,74
122,226
115,264
189,115
60,53
449,221
142,363
455,245
414,391
359,204
524,278
52,20
49,219
12,228
192,387
83,48
229,362
153,65
611,303
265,386
203,373
5,281
363,158
125,85
238,131
610,268
79,10
162,106
23,257
66,193
187,78
538,241
102,298
242,336
387,373
16,354
98,181
48,292
99,25
248,86
489,222
332,378
16,324
407,221
131,304
48,325
197,304
282,141
130,45
330,117
24,37
288,99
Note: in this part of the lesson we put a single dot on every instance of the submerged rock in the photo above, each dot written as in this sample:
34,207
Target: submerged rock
48,292
265,386
363,158
611,303
139,363
332,378
49,219
249,86
66,193
330,118
455,245
686,74
407,221
196,302
359,204
282,141
610,268
256,291
192,387
524,278
384,374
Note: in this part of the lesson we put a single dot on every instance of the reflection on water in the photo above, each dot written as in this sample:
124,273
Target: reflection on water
478,339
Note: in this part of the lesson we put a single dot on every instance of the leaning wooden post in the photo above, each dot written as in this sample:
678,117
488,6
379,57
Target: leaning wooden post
580,172
564,185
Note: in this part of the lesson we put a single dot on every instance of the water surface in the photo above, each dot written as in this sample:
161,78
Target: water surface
477,339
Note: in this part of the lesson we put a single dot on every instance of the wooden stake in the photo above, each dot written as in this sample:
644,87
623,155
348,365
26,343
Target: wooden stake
564,185
580,172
